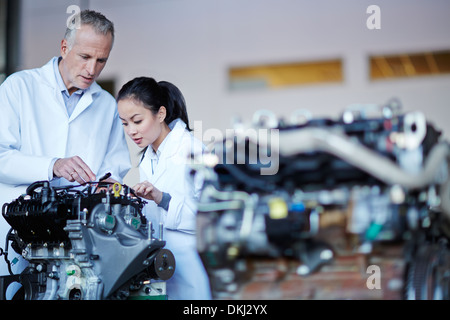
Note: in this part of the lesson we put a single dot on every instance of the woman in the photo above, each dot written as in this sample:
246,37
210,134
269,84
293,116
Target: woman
154,116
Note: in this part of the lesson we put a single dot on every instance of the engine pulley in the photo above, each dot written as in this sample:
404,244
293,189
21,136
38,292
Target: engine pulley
163,266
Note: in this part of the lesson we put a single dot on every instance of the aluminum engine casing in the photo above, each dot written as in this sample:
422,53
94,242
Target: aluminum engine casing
82,245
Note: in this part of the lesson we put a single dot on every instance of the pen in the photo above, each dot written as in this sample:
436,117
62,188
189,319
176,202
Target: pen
106,176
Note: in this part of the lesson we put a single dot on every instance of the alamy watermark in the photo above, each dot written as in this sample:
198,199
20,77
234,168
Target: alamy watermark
374,280
373,22
231,147
74,20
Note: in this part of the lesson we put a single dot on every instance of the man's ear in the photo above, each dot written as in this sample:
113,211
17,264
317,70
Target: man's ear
64,48
162,113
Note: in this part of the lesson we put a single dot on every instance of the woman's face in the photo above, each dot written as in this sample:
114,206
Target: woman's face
140,124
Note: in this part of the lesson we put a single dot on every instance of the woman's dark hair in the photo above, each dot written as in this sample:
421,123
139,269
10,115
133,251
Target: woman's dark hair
156,94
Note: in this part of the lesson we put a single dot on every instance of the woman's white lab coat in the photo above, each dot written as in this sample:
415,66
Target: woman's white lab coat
190,280
35,128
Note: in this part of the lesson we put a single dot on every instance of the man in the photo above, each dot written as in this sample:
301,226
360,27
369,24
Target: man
57,123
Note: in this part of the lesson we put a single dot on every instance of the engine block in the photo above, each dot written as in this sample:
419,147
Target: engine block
356,203
82,244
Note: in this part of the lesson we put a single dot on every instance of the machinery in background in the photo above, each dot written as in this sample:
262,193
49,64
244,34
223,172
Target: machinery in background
81,244
354,208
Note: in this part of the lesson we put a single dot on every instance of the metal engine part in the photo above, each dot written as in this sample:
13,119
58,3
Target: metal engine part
368,192
81,244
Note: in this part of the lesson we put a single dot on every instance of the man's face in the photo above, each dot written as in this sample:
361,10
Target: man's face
82,65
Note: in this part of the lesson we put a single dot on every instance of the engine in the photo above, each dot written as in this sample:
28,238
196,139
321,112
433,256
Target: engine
316,208
85,243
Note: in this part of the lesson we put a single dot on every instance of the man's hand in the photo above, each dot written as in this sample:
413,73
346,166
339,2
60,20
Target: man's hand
73,169
148,191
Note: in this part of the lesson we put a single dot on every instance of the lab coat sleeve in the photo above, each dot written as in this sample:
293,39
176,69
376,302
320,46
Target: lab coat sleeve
117,159
183,206
181,214
16,167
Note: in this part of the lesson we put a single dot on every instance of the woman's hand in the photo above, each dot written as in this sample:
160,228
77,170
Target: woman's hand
148,191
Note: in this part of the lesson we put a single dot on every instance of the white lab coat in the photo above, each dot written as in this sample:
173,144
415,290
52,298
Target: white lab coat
190,280
35,128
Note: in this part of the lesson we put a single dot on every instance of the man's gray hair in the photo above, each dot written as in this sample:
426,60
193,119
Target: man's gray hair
89,17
